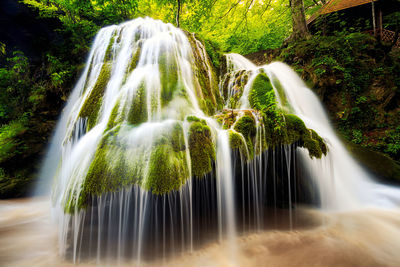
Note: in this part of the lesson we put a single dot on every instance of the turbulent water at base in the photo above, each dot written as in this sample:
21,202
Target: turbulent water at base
133,223
367,238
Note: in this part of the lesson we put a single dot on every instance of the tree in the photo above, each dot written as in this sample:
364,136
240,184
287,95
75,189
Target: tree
300,30
178,12
177,4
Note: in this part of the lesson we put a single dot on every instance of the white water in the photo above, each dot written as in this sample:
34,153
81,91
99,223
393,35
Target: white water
343,184
119,224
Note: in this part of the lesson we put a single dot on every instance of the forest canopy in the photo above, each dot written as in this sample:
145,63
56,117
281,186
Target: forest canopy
240,26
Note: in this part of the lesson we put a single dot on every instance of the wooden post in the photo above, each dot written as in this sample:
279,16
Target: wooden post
373,17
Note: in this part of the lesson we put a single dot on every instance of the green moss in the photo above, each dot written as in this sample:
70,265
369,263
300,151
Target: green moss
210,107
92,105
209,97
262,96
112,122
108,172
138,110
168,77
296,131
320,141
177,138
295,128
168,166
109,52
202,151
93,184
282,128
238,142
168,169
246,126
227,118
192,118
281,92
134,60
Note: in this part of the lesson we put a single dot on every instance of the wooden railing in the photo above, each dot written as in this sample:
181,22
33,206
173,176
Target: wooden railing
386,36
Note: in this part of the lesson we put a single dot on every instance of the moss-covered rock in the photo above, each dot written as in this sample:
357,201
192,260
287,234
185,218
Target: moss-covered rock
109,51
227,118
107,173
201,147
281,128
92,105
138,110
281,92
238,142
112,168
262,95
168,169
134,60
296,131
192,118
246,126
206,78
114,117
232,92
169,77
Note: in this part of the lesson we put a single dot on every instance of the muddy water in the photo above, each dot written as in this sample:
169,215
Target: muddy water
28,237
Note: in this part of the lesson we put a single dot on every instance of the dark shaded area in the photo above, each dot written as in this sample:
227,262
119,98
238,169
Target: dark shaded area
21,29
383,167
37,73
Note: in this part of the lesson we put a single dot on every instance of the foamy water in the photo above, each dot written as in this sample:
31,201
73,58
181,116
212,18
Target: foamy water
365,238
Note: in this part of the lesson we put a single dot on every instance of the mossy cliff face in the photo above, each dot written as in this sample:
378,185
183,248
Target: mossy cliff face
206,79
163,154
90,108
169,77
168,160
201,147
160,165
266,125
232,86
168,166
149,138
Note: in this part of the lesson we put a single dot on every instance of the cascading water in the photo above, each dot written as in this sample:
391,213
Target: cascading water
342,182
152,156
126,147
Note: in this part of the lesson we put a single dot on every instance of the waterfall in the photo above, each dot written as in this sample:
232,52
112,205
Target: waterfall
129,142
342,182
155,154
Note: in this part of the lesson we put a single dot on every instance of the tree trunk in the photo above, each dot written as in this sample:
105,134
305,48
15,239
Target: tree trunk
396,36
178,13
300,30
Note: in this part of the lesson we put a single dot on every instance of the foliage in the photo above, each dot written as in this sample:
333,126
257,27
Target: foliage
25,93
237,26
10,142
359,82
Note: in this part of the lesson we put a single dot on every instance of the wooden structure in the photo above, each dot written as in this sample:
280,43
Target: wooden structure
376,10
